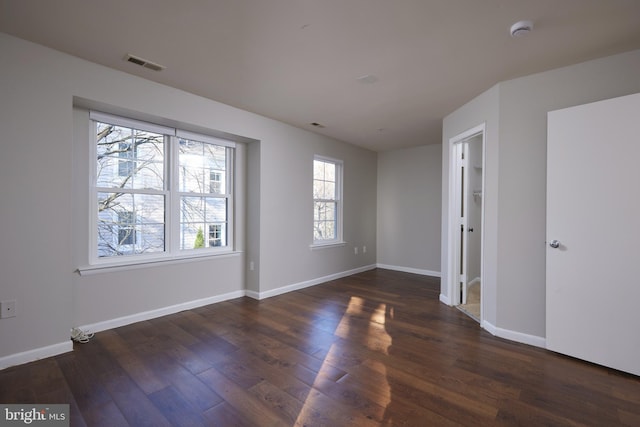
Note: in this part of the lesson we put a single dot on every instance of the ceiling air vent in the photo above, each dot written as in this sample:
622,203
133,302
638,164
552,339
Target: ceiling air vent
143,62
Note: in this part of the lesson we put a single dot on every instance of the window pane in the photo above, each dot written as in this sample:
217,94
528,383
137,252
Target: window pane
330,229
330,172
318,190
191,209
318,169
217,235
202,167
330,211
130,224
216,209
324,230
325,211
191,164
129,158
203,222
329,190
192,235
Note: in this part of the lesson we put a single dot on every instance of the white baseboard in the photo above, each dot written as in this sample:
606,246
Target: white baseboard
520,337
152,314
36,354
410,270
252,294
445,299
307,283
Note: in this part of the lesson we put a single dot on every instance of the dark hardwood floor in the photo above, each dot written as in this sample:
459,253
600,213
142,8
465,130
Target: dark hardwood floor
376,348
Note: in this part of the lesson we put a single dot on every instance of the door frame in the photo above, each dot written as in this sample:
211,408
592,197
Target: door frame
454,228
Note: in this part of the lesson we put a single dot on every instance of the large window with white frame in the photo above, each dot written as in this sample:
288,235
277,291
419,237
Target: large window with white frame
327,201
158,191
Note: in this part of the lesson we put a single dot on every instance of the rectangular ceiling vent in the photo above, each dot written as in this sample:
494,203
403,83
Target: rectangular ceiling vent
143,62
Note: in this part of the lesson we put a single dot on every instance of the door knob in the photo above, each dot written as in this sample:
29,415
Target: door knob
471,230
555,244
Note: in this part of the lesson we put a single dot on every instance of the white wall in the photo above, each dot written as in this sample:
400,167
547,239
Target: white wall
286,204
42,185
515,186
409,209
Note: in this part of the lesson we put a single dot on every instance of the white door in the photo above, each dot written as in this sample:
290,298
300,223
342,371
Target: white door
593,212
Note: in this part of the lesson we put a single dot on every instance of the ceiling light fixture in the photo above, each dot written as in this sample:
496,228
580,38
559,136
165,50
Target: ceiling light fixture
521,28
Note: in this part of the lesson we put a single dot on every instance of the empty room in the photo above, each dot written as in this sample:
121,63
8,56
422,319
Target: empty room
319,213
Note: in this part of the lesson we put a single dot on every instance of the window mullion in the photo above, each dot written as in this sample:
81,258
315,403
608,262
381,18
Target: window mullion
173,198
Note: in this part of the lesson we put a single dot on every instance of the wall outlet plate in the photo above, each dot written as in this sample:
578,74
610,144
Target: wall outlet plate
7,309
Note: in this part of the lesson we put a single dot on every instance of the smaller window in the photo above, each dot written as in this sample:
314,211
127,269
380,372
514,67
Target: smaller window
126,154
215,235
215,182
327,203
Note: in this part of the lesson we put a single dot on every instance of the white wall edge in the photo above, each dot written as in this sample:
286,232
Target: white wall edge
410,270
510,335
36,354
307,283
152,314
445,299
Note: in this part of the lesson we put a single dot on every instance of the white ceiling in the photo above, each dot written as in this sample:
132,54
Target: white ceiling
298,61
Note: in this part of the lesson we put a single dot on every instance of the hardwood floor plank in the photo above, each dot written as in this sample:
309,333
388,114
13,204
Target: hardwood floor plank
517,413
176,408
190,387
629,418
85,386
225,415
286,405
373,349
106,415
242,401
132,362
133,403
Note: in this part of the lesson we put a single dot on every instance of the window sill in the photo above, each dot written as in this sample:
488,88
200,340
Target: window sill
89,270
332,244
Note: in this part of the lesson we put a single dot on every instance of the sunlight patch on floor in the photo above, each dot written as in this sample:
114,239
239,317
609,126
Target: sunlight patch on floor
376,339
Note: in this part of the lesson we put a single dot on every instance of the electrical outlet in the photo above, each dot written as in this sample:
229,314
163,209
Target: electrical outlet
7,309
355,250
364,249
251,265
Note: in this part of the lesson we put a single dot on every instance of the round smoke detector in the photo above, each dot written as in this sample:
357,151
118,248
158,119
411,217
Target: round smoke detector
521,28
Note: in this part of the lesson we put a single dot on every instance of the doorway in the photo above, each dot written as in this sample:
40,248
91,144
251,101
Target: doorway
466,222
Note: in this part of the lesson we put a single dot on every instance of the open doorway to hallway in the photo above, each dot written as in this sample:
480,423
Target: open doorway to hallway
466,222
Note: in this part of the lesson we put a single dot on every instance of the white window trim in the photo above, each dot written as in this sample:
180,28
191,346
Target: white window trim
339,240
89,270
172,253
